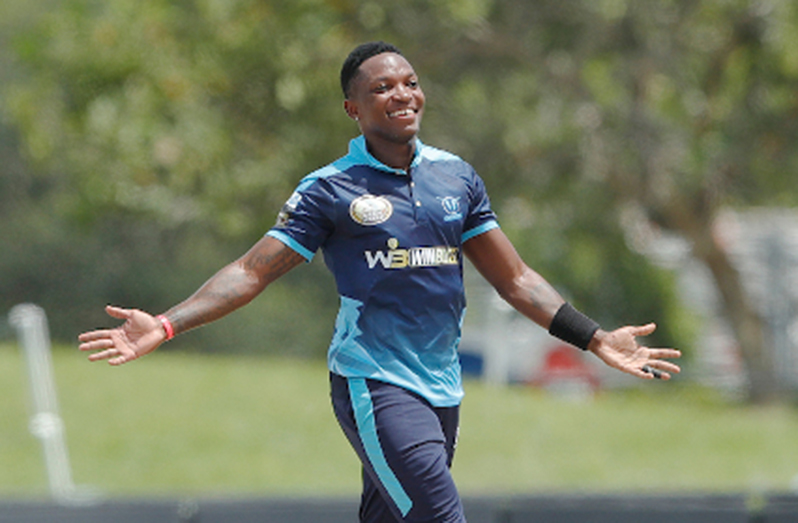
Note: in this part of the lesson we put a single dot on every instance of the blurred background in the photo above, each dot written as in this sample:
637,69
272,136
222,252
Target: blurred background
640,154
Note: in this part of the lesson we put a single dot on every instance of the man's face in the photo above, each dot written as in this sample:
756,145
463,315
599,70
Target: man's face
386,99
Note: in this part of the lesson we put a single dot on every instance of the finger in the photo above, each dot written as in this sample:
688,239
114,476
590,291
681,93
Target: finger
664,353
643,372
643,330
104,355
95,335
661,369
655,373
665,366
100,344
121,360
651,373
118,312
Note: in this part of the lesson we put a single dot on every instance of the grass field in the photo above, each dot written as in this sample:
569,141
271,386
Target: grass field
182,424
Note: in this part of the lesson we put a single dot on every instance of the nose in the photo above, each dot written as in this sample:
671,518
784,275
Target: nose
402,92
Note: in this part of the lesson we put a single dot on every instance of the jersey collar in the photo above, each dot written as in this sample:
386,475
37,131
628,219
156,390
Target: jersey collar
360,154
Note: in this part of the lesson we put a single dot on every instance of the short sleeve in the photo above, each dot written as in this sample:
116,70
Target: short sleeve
481,217
306,220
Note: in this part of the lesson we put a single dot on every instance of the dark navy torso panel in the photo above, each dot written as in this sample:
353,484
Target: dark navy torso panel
393,241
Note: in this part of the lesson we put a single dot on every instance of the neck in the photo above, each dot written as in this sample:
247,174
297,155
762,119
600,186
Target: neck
396,155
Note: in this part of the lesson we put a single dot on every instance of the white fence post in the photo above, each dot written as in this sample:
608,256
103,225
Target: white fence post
33,334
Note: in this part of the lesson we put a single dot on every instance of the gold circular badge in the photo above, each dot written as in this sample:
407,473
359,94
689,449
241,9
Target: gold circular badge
370,210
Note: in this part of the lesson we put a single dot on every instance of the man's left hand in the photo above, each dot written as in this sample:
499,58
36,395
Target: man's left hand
620,349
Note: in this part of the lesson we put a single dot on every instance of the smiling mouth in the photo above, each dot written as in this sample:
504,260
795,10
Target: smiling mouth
402,113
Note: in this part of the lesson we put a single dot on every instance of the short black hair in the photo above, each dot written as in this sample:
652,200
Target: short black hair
359,55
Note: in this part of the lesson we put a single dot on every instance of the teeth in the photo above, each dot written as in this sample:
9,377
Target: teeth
402,112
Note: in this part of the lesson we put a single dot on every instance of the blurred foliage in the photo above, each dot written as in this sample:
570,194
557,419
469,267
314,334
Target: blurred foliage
152,142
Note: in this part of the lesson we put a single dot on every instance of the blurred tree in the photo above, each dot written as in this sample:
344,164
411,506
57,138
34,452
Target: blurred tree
197,118
203,116
677,109
157,128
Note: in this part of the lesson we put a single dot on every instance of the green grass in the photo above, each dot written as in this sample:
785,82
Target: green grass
664,438
185,424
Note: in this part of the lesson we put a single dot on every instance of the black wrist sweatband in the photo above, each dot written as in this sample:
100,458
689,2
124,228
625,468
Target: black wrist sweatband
572,326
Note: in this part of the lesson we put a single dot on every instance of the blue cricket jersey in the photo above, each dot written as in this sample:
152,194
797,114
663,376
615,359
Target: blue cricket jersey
393,241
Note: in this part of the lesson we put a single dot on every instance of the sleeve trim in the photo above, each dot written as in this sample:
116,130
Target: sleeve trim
292,243
476,231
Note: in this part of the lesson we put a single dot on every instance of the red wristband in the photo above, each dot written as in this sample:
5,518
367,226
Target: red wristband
167,326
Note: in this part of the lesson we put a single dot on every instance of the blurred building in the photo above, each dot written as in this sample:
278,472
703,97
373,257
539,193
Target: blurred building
763,245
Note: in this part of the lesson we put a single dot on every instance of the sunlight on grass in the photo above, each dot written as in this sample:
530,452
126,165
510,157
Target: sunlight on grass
664,438
181,424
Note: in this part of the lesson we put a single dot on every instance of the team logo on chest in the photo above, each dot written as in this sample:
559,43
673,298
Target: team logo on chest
370,210
451,206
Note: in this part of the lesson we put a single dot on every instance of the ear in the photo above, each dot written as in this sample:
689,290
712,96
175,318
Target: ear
352,110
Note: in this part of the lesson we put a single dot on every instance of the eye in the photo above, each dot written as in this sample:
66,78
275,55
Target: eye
413,84
381,88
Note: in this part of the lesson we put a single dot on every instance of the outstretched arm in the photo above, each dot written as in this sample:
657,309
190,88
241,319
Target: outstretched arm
496,259
232,287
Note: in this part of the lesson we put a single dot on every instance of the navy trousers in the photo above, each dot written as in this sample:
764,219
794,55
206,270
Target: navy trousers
406,447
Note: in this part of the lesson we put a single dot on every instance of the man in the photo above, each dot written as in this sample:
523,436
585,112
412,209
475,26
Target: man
392,218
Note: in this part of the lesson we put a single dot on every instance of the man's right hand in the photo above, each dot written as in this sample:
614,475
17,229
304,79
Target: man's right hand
141,334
